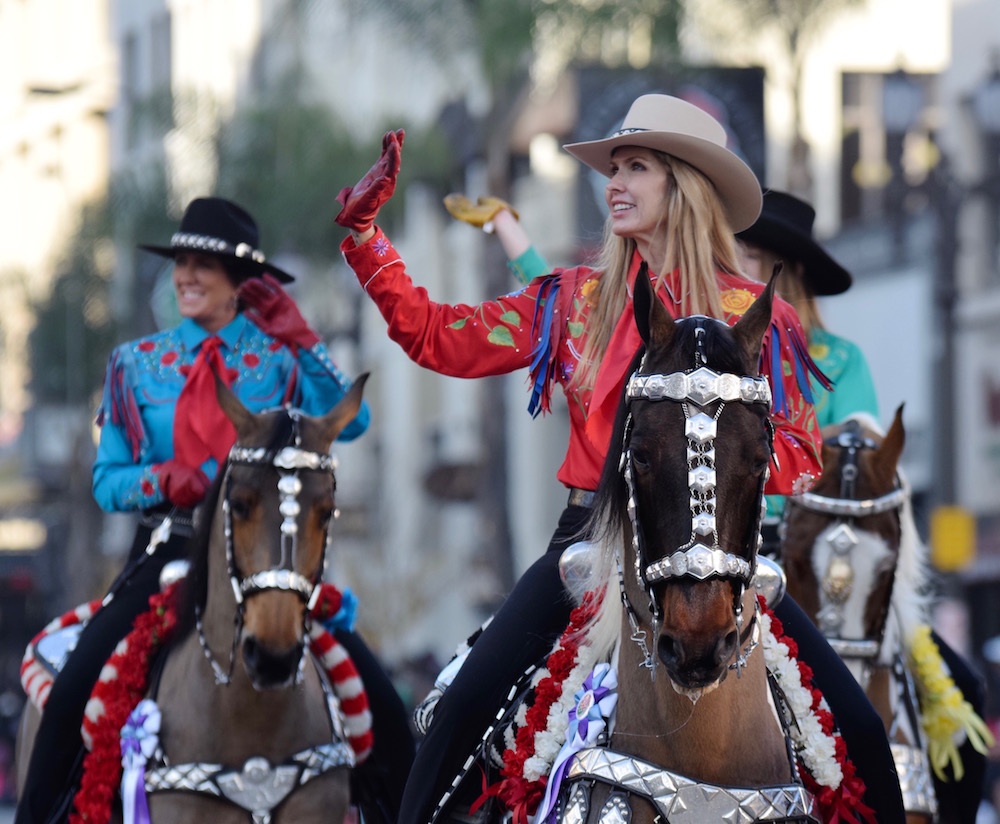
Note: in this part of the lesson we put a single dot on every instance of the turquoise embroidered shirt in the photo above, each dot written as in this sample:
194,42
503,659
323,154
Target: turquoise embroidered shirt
144,378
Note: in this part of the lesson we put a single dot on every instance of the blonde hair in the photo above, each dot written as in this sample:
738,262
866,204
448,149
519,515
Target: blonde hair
699,241
792,287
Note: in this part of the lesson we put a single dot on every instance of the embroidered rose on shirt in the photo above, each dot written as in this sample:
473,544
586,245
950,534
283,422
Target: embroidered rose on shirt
736,301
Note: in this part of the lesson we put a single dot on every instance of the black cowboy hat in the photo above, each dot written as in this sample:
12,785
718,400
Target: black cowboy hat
216,226
785,228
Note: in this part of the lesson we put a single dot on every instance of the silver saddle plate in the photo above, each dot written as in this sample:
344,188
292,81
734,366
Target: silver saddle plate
53,649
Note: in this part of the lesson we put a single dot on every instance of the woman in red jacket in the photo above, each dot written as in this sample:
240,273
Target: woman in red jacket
675,197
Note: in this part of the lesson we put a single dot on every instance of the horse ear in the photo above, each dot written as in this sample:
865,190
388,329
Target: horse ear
651,316
888,453
345,411
240,416
750,329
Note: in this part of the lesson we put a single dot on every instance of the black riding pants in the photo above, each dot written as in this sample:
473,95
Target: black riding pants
524,629
56,756
531,620
962,797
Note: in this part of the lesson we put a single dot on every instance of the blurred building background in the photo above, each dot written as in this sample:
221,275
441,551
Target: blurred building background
115,113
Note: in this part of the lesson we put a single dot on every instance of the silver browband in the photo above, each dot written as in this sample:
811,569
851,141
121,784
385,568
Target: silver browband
847,508
702,387
681,800
288,458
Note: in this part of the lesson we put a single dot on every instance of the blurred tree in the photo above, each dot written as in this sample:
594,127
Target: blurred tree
285,160
523,45
748,31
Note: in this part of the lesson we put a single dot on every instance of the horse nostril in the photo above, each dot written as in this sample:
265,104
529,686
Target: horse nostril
726,647
670,651
250,652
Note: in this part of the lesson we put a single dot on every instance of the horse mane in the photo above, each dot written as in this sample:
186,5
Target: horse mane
195,589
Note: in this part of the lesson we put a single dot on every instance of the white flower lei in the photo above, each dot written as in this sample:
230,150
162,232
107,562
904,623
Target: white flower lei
549,741
813,747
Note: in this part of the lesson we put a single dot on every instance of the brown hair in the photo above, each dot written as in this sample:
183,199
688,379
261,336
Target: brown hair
699,241
793,288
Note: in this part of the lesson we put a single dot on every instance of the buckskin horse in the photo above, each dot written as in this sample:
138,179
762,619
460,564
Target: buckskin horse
251,724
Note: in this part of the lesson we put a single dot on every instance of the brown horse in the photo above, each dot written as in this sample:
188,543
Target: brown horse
856,566
250,729
677,518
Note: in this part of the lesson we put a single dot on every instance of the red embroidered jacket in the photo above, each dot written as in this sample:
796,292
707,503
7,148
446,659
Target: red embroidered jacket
542,328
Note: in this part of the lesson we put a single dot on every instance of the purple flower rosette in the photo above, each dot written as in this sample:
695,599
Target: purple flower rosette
139,739
588,718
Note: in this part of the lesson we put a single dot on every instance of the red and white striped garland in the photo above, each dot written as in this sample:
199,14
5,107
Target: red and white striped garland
36,679
347,687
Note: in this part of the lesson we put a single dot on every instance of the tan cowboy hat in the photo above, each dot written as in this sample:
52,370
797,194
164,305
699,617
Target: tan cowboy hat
682,130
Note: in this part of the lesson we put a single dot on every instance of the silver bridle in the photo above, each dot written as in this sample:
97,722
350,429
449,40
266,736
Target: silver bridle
702,557
838,579
289,461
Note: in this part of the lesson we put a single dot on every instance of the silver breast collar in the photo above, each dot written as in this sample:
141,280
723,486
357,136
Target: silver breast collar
677,799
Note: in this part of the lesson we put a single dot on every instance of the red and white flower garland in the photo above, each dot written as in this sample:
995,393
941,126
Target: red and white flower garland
542,729
824,766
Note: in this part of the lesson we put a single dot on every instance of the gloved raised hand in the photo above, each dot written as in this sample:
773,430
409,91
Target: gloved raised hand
363,200
183,486
273,310
480,213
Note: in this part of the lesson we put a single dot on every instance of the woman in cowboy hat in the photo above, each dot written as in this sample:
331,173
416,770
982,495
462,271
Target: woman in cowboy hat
163,438
784,231
675,195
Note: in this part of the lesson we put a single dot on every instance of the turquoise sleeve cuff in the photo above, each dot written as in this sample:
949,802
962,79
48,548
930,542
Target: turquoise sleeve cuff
529,265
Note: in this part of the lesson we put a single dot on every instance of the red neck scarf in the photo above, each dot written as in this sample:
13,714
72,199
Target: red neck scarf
201,428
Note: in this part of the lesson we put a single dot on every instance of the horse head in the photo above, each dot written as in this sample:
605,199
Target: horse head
696,440
271,530
843,541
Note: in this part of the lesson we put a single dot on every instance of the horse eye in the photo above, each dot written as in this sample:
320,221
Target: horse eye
324,515
640,459
240,508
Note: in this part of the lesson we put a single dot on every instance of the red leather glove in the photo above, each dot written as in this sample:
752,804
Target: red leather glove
184,486
271,308
363,200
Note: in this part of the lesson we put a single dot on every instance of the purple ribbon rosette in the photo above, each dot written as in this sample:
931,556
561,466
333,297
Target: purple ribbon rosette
139,739
588,718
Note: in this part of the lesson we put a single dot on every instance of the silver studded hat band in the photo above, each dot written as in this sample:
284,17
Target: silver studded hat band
216,226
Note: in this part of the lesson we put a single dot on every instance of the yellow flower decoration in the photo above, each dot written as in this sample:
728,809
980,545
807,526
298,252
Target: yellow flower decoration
737,301
819,351
947,718
588,287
